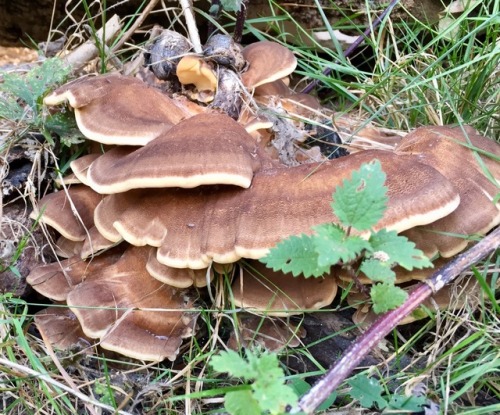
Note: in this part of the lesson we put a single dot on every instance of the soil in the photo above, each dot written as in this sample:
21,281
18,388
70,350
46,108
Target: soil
16,55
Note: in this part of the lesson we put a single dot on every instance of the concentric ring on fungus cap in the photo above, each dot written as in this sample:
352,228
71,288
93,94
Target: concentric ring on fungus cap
193,227
116,109
202,150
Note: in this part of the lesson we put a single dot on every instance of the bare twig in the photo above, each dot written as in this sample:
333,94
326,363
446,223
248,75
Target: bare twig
309,87
126,36
89,50
387,322
194,36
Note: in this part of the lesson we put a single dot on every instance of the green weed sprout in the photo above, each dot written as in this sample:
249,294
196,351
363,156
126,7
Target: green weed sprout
369,393
267,393
359,203
22,101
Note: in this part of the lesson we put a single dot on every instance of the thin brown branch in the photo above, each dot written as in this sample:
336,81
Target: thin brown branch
128,34
387,322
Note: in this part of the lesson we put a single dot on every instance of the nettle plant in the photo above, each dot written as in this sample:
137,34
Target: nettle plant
21,102
359,203
265,391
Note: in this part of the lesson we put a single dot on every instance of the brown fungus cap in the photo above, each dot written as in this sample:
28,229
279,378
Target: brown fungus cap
178,277
64,248
95,244
276,88
131,312
80,166
55,210
67,180
440,147
261,290
57,279
267,62
115,109
205,149
193,227
60,327
106,212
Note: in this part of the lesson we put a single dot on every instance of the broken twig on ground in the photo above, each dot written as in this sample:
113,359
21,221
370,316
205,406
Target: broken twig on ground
128,34
84,53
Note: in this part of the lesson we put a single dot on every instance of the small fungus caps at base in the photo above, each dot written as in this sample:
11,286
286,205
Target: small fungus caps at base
260,289
56,280
272,334
60,327
194,70
131,312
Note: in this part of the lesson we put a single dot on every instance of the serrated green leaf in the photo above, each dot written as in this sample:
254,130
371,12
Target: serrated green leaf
10,109
273,395
296,255
231,362
399,250
264,365
269,388
367,391
32,86
378,271
22,94
360,201
241,403
407,403
300,386
332,245
387,297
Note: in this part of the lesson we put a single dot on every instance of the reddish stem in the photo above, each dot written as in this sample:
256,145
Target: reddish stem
240,22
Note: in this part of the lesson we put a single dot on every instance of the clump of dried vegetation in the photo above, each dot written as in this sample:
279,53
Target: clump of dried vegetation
408,73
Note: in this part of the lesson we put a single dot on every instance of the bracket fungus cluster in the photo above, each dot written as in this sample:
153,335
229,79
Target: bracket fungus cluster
190,191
